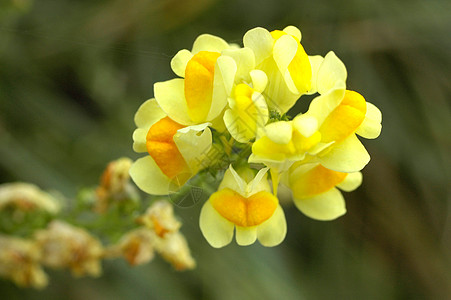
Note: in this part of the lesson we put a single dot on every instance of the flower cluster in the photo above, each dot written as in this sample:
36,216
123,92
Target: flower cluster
36,233
226,113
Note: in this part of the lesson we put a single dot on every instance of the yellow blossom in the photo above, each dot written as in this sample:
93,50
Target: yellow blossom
248,111
246,204
281,56
342,114
175,152
284,142
207,79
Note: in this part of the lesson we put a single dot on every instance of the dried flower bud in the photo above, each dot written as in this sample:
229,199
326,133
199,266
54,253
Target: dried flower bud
174,248
66,246
136,246
27,197
114,183
19,261
160,217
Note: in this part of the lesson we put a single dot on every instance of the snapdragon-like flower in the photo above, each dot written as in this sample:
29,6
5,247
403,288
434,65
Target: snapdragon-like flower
281,56
174,151
207,79
248,111
245,203
342,114
285,142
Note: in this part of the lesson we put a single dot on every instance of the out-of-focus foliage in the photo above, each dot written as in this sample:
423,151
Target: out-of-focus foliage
72,74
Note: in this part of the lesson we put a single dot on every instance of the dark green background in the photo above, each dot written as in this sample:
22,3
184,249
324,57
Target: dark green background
73,73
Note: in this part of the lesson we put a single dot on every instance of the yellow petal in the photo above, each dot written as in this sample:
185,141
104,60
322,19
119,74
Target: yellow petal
246,235
272,232
148,113
199,78
179,62
139,140
347,156
170,97
351,182
315,63
233,181
148,177
208,42
344,119
279,132
245,61
324,207
261,43
217,230
259,80
194,144
305,125
294,31
371,126
331,72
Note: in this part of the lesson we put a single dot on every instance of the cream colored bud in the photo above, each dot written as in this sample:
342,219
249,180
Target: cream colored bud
19,262
66,246
27,197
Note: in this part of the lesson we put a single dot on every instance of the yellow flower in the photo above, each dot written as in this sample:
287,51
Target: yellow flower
201,95
281,56
246,204
247,111
315,193
284,142
342,114
175,151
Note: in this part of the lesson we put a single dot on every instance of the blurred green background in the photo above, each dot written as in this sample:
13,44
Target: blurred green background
73,73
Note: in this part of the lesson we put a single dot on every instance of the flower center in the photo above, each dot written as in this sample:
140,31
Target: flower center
344,119
199,79
160,145
241,211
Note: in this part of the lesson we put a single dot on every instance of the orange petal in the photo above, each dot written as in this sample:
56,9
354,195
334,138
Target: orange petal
161,147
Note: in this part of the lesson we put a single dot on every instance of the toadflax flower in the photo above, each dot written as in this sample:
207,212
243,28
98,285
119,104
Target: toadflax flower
207,79
248,111
243,202
314,189
342,114
281,56
174,151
